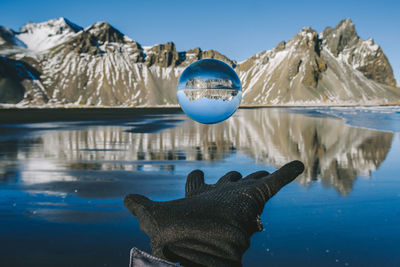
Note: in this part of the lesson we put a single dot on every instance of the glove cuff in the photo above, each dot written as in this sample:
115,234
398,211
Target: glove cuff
202,242
143,259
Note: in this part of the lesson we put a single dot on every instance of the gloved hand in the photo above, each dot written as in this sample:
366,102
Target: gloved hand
213,224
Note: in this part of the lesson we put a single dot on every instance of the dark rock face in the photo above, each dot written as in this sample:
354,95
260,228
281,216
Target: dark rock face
7,38
192,55
312,47
104,32
216,55
374,66
342,36
101,66
83,43
11,89
367,57
163,55
20,81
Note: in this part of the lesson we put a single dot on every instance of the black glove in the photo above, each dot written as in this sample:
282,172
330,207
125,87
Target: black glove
213,224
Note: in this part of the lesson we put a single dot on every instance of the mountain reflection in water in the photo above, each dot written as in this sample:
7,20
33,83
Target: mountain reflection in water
62,183
333,152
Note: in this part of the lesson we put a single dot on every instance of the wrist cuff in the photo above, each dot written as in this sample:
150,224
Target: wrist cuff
140,258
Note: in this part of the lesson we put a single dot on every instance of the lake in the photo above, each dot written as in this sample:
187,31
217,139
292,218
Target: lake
64,174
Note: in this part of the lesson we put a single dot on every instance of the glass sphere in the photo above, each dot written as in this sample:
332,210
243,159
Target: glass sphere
209,91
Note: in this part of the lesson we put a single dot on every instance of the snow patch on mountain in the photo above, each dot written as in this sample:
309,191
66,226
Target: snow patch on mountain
100,66
42,36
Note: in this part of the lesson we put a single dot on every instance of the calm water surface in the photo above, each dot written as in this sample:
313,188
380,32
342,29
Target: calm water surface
62,184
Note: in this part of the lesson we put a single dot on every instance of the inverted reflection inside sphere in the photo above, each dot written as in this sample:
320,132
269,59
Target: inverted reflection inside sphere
209,91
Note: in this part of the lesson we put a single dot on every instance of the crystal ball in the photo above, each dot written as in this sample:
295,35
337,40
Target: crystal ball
209,91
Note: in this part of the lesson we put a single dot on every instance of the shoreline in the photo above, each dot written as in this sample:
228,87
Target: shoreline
15,115
27,115
160,107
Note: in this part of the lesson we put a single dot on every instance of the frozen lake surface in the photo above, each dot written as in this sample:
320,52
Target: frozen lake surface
62,182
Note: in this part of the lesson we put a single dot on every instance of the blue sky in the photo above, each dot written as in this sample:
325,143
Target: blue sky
237,29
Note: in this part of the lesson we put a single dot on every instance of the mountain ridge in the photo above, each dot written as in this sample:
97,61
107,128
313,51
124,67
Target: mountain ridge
100,66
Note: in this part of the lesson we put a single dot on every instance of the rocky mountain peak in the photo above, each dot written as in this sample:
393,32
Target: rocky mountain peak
197,53
217,55
306,29
307,38
340,37
163,55
163,48
346,24
307,58
363,55
104,32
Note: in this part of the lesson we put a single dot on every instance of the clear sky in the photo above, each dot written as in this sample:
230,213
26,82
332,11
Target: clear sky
237,29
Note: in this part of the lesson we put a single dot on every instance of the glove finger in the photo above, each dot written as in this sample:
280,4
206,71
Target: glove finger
134,203
256,175
229,177
194,181
282,177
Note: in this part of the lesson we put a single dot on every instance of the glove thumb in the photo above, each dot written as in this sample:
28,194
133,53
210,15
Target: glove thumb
194,182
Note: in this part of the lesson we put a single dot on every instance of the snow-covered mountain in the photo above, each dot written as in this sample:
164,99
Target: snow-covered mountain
42,36
333,67
58,62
